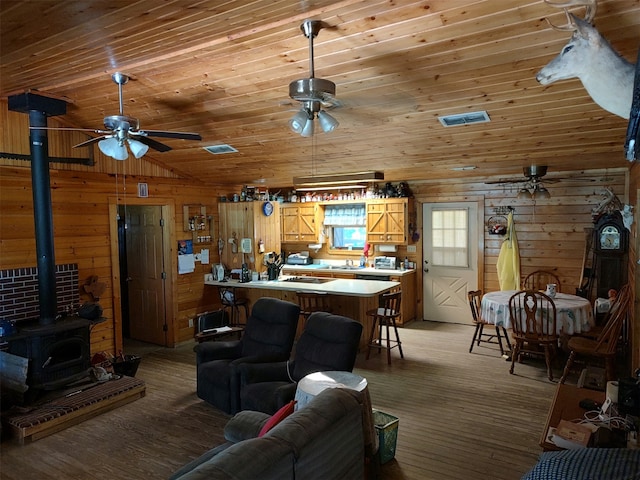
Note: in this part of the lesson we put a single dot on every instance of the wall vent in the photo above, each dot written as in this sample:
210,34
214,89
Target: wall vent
464,118
219,149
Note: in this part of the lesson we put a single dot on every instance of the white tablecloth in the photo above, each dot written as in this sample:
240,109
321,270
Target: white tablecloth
573,314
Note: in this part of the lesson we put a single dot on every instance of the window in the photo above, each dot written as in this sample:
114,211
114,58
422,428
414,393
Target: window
345,225
449,237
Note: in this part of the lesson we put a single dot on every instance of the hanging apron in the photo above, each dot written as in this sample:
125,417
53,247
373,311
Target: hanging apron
509,259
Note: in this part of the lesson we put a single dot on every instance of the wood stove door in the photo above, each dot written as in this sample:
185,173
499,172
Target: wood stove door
144,240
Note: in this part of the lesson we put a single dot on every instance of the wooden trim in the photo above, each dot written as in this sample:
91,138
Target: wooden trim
167,206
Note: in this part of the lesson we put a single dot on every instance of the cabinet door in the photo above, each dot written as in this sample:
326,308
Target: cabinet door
307,222
387,221
396,221
376,222
290,228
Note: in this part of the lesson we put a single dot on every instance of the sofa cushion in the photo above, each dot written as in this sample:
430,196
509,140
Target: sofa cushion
264,458
277,417
244,425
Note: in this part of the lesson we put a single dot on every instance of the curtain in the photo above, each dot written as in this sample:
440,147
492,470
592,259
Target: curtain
345,215
509,259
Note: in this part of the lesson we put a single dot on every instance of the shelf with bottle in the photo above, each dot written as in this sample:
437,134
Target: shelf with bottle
196,221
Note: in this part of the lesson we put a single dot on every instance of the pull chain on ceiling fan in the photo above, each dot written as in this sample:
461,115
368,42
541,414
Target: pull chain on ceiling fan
123,130
312,92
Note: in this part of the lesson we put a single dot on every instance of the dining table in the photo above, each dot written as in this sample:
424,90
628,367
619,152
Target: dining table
574,314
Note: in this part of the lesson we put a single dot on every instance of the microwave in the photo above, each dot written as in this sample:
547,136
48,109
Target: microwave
384,263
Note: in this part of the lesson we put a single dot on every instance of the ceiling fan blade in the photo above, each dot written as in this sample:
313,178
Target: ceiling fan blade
507,180
164,134
160,147
101,132
91,141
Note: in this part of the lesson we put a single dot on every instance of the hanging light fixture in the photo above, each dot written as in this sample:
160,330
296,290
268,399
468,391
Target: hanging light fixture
540,193
534,191
312,92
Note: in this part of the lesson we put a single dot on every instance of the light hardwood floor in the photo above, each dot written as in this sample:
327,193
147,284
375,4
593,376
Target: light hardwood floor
462,416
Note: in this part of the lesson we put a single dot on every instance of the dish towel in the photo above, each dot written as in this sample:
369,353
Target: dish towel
509,259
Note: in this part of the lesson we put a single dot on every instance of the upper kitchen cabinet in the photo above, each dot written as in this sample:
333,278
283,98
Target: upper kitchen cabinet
299,222
258,223
387,221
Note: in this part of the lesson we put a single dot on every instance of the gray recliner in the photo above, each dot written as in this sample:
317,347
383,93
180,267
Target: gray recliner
268,337
328,342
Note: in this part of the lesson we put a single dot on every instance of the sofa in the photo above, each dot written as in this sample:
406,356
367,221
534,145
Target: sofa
322,440
587,464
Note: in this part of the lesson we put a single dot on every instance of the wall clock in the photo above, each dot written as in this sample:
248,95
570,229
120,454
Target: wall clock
610,241
267,208
609,238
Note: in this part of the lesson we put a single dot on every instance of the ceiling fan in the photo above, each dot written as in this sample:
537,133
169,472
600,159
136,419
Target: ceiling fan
533,187
314,93
123,130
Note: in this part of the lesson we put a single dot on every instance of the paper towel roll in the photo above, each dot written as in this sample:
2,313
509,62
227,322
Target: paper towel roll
612,391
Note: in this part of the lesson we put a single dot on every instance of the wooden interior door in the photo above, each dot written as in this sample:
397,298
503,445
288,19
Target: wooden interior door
146,274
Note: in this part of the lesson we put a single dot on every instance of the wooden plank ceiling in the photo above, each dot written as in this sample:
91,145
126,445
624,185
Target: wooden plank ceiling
222,69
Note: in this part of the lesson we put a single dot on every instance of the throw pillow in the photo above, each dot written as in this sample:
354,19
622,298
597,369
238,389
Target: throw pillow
277,417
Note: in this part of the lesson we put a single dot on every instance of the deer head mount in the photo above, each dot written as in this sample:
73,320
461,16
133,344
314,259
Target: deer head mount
607,77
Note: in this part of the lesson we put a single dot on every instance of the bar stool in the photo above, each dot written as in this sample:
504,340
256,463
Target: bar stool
312,302
230,301
383,317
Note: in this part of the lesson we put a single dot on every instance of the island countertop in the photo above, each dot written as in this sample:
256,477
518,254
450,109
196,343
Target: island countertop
335,286
326,268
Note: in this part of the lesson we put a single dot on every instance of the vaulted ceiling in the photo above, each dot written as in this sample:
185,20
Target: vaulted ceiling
222,69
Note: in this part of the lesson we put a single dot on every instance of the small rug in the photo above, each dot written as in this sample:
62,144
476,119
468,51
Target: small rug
72,408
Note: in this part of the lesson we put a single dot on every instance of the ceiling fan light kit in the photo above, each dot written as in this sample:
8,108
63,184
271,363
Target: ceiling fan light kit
123,130
312,92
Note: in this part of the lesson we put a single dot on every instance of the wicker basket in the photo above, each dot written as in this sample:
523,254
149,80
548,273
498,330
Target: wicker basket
127,366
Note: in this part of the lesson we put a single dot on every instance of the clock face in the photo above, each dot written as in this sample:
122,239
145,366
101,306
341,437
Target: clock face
267,208
610,238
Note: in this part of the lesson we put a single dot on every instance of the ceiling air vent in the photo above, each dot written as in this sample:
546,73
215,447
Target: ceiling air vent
464,118
219,149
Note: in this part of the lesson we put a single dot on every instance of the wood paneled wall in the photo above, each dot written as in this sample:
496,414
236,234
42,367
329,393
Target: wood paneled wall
82,235
551,233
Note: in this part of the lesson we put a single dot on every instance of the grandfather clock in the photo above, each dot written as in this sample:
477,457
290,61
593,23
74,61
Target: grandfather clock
611,242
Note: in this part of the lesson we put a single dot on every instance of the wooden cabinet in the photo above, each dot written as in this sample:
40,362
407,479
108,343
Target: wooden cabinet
387,221
248,220
408,301
299,222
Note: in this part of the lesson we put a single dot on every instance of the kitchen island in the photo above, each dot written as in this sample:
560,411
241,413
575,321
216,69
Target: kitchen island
349,297
411,305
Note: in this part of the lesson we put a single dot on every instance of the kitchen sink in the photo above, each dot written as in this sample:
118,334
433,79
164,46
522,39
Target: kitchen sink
307,280
344,267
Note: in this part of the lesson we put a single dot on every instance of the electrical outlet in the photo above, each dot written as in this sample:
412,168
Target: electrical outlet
411,249
208,277
191,323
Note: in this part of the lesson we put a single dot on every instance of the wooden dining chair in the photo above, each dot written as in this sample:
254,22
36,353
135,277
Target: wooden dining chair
479,335
539,280
605,346
533,319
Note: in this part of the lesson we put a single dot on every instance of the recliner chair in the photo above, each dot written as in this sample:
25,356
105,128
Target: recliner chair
328,342
268,337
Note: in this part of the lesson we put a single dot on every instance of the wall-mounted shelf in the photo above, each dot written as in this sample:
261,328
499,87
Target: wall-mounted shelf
196,221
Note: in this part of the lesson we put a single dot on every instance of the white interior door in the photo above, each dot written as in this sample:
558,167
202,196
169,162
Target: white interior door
451,260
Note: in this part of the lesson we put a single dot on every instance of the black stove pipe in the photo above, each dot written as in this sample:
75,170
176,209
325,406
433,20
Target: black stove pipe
39,107
42,213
